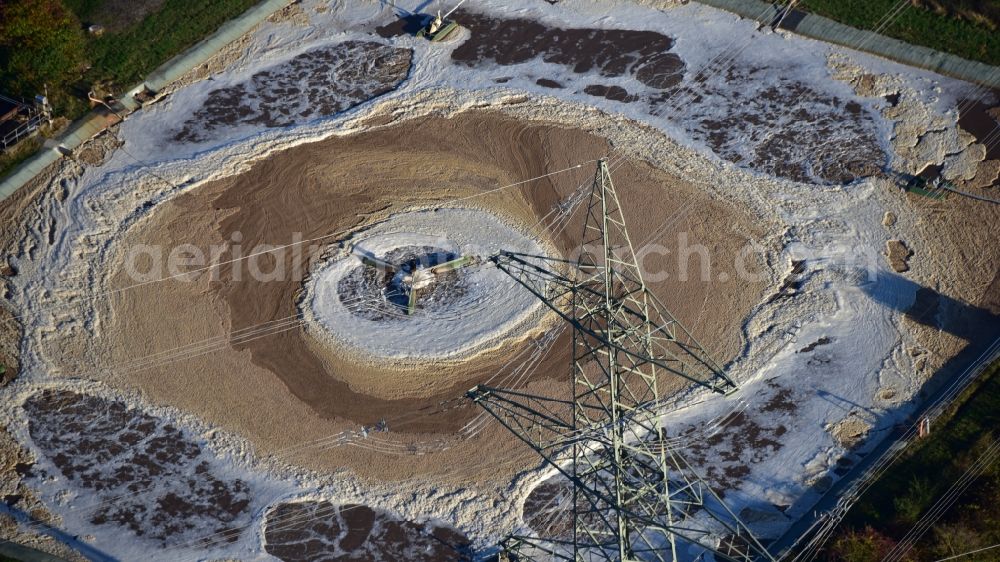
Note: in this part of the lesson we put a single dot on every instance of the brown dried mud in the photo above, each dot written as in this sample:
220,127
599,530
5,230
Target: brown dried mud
15,466
316,83
160,481
611,52
317,531
982,120
822,138
790,130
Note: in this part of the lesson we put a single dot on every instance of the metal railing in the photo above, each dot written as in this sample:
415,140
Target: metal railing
33,119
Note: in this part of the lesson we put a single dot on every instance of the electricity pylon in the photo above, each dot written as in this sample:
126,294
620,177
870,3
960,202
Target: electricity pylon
634,496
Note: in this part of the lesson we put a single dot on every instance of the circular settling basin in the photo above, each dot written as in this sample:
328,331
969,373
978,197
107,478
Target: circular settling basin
280,383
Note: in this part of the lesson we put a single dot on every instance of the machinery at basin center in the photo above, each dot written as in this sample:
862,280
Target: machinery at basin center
413,277
440,27
634,496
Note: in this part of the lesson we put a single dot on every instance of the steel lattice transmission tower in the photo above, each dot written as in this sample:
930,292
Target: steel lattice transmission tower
633,496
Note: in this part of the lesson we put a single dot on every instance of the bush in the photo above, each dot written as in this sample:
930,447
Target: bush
41,43
862,546
917,498
956,538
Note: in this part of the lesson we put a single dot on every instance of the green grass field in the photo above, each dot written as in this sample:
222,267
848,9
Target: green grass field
919,26
125,57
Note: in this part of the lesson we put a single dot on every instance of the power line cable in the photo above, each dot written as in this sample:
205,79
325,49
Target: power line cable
978,550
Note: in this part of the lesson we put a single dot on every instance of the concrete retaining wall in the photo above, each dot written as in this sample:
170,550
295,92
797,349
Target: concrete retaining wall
825,29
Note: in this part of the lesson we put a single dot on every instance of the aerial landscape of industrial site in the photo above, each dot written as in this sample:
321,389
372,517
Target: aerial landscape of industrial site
583,280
